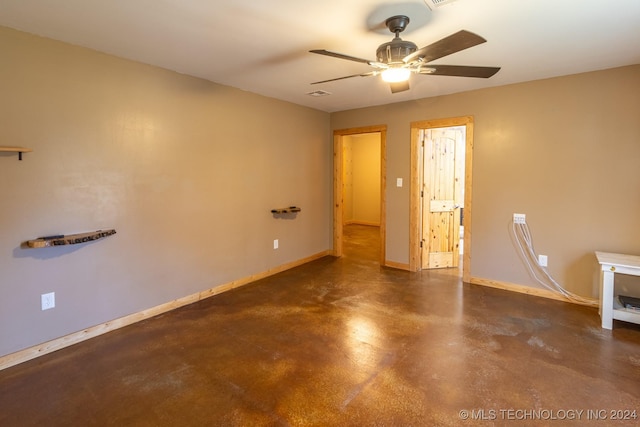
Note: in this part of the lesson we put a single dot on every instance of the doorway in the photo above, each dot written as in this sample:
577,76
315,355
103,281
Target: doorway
441,162
343,210
361,193
442,192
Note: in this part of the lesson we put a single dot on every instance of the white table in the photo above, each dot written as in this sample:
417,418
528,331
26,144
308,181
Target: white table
609,307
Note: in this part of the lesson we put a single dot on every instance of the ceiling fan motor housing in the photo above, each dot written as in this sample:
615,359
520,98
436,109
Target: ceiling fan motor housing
393,51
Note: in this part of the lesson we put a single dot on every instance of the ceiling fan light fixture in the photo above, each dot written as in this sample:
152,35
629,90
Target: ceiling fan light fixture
396,74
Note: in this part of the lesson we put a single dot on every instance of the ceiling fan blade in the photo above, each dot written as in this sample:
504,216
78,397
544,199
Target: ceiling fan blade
399,86
460,71
341,56
371,73
454,43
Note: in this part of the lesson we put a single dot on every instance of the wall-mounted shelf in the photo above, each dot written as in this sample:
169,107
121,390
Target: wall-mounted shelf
290,209
69,239
18,150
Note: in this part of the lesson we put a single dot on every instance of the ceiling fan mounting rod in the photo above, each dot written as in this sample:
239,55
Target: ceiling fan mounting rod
397,24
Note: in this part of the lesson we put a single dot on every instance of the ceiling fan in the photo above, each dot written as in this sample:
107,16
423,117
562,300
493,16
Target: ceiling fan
398,59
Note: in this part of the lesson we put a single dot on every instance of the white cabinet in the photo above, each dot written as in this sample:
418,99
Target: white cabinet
610,308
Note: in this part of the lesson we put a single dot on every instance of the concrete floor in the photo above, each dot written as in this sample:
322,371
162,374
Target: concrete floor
341,342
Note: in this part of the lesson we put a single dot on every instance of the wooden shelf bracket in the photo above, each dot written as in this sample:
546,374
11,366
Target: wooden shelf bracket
18,150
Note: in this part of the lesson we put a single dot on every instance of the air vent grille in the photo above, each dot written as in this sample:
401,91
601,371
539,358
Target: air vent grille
432,4
319,93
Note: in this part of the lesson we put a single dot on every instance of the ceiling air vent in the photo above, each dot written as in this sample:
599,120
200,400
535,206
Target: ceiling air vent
319,93
432,4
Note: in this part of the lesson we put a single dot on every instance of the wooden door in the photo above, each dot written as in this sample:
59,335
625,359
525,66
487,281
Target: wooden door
442,195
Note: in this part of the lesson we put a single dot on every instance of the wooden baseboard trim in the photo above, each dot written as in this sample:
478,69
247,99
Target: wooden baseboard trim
538,292
21,356
398,265
356,222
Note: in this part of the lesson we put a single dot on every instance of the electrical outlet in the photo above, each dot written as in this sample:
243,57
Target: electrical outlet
542,260
519,218
275,244
48,301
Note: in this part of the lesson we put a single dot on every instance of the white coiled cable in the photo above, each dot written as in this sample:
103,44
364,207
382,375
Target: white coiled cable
524,243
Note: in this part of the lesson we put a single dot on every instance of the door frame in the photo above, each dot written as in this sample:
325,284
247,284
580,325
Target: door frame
338,185
416,204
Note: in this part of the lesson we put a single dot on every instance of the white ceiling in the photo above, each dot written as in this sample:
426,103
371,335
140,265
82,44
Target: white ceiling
262,45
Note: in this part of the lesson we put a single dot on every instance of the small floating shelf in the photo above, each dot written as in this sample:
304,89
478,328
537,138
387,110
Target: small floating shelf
290,209
69,239
18,150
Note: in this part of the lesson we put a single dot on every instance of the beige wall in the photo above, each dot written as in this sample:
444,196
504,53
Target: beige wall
185,170
362,178
564,151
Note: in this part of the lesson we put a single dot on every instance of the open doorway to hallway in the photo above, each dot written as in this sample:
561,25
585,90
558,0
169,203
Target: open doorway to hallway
361,194
359,183
441,171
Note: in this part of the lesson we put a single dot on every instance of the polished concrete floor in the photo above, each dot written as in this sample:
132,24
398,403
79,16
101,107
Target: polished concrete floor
342,342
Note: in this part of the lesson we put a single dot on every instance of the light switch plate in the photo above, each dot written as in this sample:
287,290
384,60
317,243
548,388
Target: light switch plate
398,182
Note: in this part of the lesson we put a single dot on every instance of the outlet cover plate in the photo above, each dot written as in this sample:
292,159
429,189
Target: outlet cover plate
543,260
48,301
